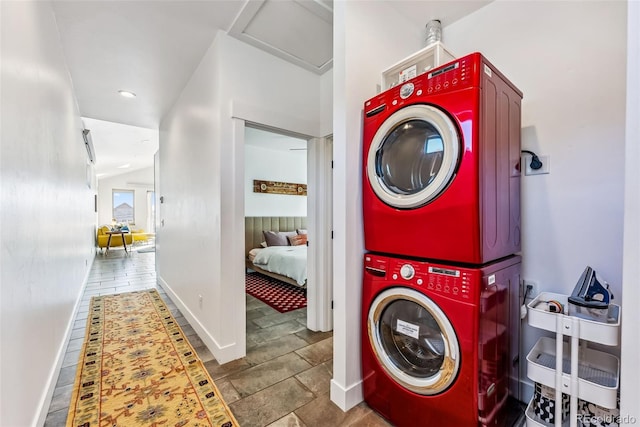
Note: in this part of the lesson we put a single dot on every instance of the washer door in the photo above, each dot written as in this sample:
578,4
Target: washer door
414,341
413,156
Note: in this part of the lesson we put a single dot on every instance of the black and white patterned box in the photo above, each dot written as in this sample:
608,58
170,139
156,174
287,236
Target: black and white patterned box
592,415
544,403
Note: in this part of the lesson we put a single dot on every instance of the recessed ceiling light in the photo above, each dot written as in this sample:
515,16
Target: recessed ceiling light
124,166
127,94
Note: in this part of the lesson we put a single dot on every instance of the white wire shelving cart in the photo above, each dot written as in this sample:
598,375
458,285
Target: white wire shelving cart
572,367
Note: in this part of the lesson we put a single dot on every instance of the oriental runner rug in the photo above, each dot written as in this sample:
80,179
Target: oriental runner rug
275,293
137,368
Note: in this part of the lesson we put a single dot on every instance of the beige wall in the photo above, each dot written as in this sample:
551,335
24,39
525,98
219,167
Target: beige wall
47,214
574,111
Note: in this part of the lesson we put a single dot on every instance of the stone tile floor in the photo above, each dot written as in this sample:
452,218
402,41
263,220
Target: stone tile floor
282,382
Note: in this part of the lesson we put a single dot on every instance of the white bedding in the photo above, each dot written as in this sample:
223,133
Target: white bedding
290,261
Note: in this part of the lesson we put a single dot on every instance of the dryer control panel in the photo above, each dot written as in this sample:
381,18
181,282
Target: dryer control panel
451,281
465,72
459,74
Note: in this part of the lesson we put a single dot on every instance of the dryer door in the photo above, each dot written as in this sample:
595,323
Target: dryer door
413,156
414,341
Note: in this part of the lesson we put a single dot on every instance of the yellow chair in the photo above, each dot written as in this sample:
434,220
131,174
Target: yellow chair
116,239
140,237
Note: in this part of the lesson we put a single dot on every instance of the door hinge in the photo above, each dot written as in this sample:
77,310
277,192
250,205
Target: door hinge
332,234
307,243
331,304
331,164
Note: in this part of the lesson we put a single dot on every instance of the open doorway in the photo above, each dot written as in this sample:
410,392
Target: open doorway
125,179
285,159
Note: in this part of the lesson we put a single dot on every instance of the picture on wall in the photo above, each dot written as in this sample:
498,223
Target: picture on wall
274,187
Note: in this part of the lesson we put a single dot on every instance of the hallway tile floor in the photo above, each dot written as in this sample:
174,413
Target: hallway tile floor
283,380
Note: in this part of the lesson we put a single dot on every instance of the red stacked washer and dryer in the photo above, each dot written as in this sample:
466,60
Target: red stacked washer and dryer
441,207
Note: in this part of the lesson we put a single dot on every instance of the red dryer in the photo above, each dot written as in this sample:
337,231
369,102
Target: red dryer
436,341
442,165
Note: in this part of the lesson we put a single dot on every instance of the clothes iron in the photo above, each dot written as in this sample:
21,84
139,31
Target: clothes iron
590,298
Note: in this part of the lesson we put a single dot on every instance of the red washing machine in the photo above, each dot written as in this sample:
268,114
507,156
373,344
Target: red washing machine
436,341
442,165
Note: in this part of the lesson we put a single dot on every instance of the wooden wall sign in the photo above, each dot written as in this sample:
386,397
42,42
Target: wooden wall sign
274,187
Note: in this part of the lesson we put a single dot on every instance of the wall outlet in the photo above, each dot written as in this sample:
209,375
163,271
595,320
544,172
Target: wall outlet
200,301
534,289
543,170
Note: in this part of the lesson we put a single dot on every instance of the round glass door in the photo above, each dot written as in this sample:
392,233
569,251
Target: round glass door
413,156
414,341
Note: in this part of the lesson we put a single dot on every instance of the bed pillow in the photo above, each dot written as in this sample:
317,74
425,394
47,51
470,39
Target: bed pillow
273,238
277,238
297,240
301,231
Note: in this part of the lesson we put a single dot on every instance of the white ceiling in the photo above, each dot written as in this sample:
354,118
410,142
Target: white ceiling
121,148
152,47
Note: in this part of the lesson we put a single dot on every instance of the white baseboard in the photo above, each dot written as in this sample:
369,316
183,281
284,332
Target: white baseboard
223,354
52,380
346,398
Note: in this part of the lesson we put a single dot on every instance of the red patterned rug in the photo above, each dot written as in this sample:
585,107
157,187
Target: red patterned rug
279,295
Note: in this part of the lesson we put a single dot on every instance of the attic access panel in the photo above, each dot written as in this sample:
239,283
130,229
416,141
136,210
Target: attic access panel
298,31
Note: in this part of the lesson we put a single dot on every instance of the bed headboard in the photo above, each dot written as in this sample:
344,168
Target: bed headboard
253,226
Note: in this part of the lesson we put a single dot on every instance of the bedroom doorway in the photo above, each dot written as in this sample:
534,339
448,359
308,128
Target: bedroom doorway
279,155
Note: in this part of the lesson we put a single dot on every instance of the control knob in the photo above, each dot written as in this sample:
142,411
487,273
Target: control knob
406,90
407,272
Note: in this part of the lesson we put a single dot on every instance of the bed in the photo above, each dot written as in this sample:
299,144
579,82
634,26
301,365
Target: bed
285,263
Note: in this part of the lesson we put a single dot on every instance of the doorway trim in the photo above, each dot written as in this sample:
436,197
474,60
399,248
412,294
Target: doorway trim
319,277
319,221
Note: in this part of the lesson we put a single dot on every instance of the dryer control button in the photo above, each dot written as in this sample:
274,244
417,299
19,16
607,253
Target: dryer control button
419,92
419,281
406,90
407,272
395,102
395,276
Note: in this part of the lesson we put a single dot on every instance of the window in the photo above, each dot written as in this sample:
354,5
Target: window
123,206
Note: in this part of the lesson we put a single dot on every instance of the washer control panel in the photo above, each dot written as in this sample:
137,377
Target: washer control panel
453,282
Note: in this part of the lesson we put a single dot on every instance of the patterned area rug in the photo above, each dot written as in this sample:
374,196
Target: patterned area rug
279,295
137,368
